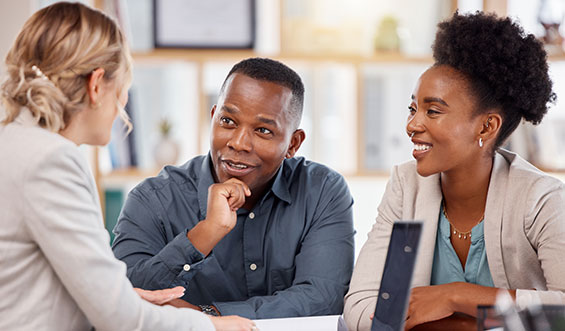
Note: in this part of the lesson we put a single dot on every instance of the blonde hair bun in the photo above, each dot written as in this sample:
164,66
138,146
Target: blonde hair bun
51,59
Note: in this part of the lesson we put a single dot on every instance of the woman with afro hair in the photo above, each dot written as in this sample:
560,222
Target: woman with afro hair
492,221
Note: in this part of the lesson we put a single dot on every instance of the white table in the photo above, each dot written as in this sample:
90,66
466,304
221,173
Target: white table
314,323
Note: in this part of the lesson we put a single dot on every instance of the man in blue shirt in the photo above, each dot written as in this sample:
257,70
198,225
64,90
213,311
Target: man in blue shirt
248,229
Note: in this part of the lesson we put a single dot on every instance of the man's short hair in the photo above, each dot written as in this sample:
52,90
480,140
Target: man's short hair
278,73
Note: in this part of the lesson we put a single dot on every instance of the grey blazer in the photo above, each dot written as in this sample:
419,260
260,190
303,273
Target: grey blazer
524,234
57,271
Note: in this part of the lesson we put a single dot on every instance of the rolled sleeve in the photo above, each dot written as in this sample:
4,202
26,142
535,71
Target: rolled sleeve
545,230
152,261
240,308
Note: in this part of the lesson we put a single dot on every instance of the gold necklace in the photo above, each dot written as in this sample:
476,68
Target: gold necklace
460,234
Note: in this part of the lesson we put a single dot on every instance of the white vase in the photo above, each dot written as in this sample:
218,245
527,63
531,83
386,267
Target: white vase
166,152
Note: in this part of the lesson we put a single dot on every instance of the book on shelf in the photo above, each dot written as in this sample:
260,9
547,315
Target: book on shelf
121,148
386,96
114,200
334,116
160,91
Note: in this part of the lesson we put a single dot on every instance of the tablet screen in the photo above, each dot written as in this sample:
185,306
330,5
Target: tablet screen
394,291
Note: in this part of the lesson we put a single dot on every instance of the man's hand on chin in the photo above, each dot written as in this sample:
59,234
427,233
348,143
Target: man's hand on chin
224,199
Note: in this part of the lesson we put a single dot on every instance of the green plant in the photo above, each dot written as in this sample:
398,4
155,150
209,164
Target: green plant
165,127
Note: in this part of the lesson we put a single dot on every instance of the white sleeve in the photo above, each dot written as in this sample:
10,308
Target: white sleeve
545,228
63,216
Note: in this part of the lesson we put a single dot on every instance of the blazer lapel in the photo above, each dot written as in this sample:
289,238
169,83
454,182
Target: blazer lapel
493,220
426,208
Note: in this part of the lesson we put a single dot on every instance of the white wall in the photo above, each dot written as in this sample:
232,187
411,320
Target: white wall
367,193
13,14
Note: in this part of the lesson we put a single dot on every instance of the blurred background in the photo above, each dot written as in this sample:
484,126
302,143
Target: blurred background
359,60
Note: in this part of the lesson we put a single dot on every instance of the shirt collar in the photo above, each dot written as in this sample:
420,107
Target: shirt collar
206,179
280,187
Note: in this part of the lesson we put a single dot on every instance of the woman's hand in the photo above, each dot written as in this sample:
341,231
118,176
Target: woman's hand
430,303
457,321
160,297
233,323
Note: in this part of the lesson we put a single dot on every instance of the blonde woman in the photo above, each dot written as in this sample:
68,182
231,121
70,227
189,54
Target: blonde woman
68,73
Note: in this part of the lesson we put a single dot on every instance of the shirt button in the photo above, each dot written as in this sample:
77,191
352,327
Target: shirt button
253,267
186,267
385,296
251,215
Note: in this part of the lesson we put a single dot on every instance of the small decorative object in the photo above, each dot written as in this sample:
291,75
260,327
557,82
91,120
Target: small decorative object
387,38
551,13
166,150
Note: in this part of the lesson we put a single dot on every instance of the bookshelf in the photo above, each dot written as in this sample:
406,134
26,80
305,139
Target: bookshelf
370,151
203,59
206,55
354,66
367,70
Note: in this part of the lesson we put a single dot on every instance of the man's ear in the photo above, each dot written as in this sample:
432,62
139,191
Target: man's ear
296,141
94,86
212,111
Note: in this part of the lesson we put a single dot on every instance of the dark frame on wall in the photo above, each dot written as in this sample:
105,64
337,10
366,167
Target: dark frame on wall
209,24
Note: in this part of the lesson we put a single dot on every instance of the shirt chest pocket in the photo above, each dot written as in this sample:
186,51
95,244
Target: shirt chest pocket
281,279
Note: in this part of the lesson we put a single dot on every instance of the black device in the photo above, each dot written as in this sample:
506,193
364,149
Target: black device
394,291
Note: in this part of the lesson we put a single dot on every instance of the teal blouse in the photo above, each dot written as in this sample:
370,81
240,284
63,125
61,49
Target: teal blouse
447,267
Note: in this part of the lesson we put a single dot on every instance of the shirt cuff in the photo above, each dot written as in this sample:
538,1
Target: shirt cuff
240,308
182,258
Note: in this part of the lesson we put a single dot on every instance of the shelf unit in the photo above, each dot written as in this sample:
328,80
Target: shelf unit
202,56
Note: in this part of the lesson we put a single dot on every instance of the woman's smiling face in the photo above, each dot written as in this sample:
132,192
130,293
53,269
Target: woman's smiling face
441,122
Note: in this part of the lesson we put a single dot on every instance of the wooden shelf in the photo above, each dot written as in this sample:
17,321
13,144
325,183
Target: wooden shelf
556,57
204,55
127,177
199,55
359,59
131,172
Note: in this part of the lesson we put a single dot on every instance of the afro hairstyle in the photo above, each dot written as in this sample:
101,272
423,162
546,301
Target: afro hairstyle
506,68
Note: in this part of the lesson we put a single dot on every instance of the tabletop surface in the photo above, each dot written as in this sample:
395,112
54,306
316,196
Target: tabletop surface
314,323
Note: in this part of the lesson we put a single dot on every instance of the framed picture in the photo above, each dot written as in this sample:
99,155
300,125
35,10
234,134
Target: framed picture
204,23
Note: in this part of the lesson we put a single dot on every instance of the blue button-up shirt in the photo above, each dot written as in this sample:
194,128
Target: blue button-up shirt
292,255
447,266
